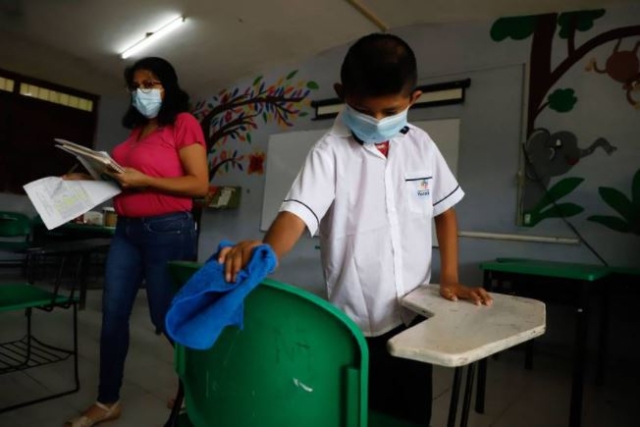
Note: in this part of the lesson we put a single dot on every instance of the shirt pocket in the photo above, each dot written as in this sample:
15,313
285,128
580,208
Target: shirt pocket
417,188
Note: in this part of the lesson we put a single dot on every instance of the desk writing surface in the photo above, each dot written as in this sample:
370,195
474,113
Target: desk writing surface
76,228
627,271
533,267
79,246
459,333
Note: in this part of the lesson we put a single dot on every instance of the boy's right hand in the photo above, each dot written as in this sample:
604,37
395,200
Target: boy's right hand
236,257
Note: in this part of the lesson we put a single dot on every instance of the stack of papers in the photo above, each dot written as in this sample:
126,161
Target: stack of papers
58,201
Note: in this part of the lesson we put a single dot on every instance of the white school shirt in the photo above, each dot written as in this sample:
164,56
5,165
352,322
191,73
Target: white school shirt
374,219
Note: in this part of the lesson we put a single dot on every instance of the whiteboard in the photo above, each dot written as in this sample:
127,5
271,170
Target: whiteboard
287,151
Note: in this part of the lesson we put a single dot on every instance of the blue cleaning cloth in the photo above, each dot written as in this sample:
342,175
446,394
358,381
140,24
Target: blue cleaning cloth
207,303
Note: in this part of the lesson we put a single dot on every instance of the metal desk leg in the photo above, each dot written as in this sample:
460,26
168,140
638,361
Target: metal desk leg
487,284
455,394
85,259
468,390
603,339
482,385
579,356
528,355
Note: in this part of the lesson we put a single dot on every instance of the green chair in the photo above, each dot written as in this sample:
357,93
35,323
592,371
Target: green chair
29,352
299,361
15,238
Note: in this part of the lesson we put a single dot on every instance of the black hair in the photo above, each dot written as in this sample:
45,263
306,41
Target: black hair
175,99
377,65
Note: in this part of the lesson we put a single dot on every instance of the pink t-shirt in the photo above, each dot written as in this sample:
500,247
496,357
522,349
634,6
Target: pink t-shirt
157,155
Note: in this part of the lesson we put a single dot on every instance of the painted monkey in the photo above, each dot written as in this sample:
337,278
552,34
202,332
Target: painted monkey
622,66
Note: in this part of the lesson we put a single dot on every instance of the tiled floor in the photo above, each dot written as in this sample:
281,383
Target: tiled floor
515,397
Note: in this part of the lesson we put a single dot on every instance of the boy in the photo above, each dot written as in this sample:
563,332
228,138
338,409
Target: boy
371,186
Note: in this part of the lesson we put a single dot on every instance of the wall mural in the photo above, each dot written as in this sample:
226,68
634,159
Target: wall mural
623,66
232,114
627,208
554,153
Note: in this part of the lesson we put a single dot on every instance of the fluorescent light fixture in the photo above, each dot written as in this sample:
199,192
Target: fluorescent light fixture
153,36
439,94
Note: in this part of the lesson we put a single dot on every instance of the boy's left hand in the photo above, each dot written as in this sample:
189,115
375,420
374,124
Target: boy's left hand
455,291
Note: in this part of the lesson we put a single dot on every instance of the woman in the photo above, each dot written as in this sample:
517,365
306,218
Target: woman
165,165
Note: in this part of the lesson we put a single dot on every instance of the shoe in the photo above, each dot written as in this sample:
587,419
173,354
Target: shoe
106,414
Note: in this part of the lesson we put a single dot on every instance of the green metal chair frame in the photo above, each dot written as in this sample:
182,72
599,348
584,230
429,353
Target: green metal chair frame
29,352
15,238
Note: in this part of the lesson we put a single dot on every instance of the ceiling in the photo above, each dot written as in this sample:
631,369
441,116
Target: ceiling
223,41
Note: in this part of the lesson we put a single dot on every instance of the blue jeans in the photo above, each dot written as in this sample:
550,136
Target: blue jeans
140,250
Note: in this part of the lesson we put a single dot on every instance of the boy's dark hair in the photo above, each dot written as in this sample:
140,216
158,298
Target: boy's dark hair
378,65
175,99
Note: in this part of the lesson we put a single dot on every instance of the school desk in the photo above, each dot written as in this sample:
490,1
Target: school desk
69,231
562,283
85,248
459,334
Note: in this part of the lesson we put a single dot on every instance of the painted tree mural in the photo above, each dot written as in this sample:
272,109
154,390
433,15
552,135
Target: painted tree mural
538,204
628,209
233,114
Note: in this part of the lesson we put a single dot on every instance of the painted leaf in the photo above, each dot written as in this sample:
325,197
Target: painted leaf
583,21
612,222
303,114
635,189
558,191
292,74
565,210
257,80
249,137
312,85
620,203
562,100
517,28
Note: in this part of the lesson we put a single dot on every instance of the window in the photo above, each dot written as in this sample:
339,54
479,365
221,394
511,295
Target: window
32,113
56,97
6,84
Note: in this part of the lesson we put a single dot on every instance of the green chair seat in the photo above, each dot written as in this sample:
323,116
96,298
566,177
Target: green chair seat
17,296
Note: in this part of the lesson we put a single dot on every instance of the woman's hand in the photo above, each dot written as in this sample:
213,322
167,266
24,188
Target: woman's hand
131,178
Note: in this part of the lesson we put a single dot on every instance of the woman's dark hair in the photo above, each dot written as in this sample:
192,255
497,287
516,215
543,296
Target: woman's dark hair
175,99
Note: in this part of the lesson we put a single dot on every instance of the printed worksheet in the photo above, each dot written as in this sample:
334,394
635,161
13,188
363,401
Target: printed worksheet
58,201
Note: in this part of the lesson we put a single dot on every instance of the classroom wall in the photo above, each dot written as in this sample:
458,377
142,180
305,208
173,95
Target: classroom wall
492,129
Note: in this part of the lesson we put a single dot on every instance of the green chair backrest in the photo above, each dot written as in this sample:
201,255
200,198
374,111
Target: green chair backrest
298,361
13,224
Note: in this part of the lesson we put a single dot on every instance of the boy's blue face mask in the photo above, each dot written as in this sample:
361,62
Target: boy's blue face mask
147,103
373,131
